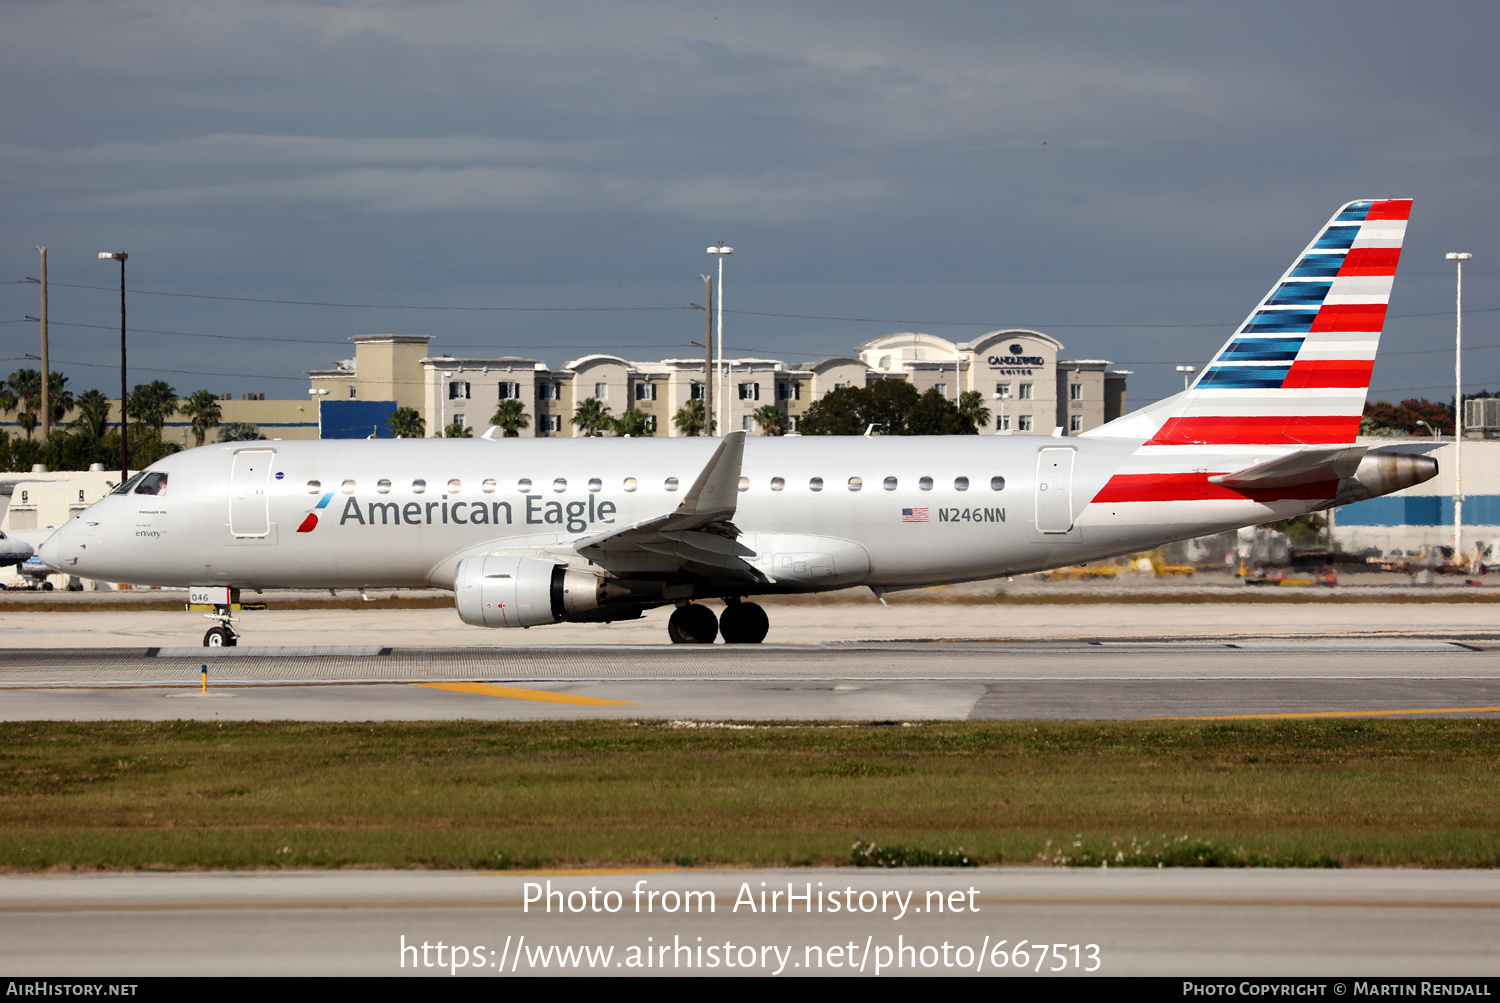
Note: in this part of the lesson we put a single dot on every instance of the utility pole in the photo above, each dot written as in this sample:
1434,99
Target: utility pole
46,367
120,256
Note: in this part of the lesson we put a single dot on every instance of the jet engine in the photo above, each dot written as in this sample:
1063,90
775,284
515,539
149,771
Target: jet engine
499,590
1382,472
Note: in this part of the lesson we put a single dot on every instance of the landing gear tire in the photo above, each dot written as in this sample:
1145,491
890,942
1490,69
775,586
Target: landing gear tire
743,623
692,625
219,637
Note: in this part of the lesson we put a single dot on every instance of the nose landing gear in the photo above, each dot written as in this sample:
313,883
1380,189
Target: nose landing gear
740,623
222,636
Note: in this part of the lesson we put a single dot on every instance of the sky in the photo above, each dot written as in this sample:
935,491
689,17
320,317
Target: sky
542,179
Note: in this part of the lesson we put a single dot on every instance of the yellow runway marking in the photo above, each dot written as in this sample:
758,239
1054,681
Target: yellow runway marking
512,693
1332,713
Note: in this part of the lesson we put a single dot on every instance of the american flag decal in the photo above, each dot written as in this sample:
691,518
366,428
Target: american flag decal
914,515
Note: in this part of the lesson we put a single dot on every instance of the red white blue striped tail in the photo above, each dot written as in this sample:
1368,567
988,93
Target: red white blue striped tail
1297,370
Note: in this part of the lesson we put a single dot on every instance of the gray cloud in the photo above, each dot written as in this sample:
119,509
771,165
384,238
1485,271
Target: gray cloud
1078,163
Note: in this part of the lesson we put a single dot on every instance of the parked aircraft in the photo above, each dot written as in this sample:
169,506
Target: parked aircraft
13,551
538,531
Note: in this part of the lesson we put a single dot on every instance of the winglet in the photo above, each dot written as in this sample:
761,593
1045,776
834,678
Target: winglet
715,494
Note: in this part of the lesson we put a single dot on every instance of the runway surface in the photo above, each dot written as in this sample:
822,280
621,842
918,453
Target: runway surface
955,680
1260,924
854,663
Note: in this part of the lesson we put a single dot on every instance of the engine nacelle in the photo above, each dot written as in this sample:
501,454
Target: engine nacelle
1382,472
498,590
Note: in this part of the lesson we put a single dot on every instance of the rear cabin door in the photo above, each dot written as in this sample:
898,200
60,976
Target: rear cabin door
249,501
1054,490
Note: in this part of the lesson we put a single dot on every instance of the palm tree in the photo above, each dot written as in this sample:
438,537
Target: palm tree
635,423
511,416
690,418
93,414
406,423
24,389
59,398
458,430
771,419
8,401
153,404
971,408
239,431
592,417
203,412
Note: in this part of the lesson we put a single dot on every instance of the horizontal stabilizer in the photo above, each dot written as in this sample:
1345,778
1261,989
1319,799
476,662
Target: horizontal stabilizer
1306,466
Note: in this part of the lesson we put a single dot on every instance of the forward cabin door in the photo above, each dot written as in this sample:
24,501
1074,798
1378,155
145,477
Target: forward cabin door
1054,490
249,486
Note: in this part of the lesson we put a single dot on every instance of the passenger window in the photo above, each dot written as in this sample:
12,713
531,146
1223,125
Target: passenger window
418,486
630,484
855,483
383,486
595,484
816,484
960,484
925,484
997,483
890,484
455,486
347,487
744,484
313,487
671,484
778,483
152,484
523,485
489,485
560,485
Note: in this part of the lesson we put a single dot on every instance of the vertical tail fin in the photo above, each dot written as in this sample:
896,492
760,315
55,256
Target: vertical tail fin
1297,370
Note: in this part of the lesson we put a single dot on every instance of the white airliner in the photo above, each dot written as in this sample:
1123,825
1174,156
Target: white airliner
537,531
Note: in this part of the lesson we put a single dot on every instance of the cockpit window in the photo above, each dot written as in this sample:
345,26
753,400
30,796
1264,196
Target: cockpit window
152,484
128,486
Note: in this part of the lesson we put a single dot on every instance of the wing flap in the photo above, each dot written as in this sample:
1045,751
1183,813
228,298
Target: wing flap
699,531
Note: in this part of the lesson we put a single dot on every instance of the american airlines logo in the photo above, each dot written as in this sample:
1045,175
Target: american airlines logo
574,516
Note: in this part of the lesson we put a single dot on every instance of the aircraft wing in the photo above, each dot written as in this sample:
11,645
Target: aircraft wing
699,531
1306,466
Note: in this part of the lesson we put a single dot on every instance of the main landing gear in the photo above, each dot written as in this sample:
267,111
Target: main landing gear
740,623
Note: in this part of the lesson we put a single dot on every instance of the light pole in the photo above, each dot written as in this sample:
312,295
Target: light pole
1458,406
1002,396
1187,374
1430,429
720,250
120,256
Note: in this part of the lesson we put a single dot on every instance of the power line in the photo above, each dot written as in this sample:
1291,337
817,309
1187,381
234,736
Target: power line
743,313
386,306
153,369
346,344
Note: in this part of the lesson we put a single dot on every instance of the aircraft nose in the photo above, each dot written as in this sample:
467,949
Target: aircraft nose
51,550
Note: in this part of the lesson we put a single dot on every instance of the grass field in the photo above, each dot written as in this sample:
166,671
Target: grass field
557,794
